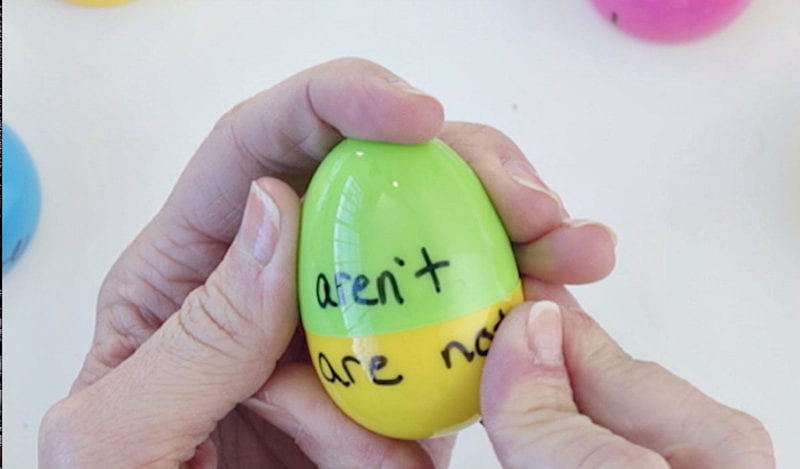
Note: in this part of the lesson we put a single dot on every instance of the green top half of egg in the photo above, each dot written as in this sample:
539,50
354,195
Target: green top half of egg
395,237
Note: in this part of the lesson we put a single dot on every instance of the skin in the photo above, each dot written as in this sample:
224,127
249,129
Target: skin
198,361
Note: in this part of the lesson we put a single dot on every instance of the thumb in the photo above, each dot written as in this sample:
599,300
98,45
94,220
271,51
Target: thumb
214,352
527,403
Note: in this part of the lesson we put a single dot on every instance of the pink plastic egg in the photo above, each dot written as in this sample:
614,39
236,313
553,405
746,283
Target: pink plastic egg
670,20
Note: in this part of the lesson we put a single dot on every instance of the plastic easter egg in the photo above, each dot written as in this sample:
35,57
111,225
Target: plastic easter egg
404,274
670,20
21,199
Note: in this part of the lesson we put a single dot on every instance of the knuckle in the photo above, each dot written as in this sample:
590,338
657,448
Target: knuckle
493,135
531,405
350,68
475,141
350,62
62,433
551,395
495,140
484,132
225,120
513,437
579,319
53,423
210,320
571,440
645,369
748,438
601,352
623,454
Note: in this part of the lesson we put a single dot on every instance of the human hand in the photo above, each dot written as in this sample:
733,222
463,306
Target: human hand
557,391
197,358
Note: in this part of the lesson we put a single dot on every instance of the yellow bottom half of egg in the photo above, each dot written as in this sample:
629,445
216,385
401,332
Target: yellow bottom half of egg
412,384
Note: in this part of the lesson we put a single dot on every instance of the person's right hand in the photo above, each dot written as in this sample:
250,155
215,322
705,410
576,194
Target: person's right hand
558,392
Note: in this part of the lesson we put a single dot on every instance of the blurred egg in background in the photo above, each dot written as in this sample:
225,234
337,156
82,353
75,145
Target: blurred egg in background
21,198
670,20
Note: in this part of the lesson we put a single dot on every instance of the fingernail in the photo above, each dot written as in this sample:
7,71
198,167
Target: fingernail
524,174
577,223
258,233
544,333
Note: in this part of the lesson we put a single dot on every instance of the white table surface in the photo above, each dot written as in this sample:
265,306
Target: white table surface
691,153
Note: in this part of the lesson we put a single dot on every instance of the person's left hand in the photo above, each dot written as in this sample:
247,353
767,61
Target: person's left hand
199,314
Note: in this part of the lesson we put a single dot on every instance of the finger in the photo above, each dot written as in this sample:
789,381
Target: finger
550,246
285,131
659,410
282,132
293,400
526,205
218,349
601,372
527,405
537,290
576,252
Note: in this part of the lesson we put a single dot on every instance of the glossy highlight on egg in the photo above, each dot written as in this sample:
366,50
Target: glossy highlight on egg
404,274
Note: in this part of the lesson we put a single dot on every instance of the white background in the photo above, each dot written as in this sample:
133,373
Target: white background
691,153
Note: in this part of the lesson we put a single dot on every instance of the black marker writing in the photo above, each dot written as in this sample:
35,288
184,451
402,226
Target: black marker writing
480,345
430,268
376,364
348,288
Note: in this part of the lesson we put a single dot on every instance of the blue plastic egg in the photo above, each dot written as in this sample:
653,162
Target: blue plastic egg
21,198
